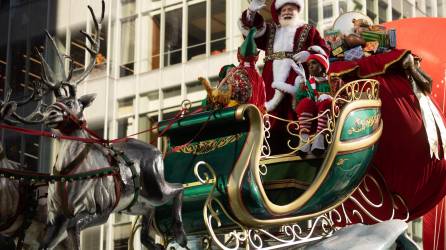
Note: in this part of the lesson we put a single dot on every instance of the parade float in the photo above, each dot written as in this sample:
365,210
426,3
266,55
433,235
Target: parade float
218,176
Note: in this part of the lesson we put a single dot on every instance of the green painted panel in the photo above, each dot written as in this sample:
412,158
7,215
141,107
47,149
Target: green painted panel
346,174
179,166
217,116
360,123
301,171
194,199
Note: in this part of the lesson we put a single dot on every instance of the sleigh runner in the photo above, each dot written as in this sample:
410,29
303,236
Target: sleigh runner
220,158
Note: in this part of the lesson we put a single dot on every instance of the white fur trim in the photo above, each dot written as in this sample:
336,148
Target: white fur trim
281,70
317,49
324,97
318,143
299,80
272,104
246,30
285,87
284,38
304,144
279,3
301,57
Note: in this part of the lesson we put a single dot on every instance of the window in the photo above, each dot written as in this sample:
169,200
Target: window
195,86
395,14
357,6
155,51
172,92
90,238
382,11
218,26
342,7
128,7
313,17
407,8
440,8
146,122
127,64
173,37
196,35
328,11
123,127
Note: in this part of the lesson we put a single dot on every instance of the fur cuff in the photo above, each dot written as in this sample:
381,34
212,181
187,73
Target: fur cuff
285,87
299,80
324,97
317,49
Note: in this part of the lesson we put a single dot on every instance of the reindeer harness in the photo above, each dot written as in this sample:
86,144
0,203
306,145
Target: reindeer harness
114,157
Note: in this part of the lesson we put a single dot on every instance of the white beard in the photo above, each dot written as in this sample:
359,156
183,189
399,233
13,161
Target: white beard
293,22
284,41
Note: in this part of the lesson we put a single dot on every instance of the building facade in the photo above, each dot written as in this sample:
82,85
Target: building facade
152,52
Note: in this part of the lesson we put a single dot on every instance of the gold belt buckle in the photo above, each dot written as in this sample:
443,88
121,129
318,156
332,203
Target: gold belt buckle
281,55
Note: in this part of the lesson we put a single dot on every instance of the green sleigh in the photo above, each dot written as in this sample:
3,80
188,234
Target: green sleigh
230,181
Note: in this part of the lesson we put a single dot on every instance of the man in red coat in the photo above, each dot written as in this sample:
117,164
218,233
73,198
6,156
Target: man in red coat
286,43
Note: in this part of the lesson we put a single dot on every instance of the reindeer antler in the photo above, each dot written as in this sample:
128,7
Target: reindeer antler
35,117
58,83
94,46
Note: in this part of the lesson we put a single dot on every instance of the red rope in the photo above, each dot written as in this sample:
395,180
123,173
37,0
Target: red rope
178,148
95,137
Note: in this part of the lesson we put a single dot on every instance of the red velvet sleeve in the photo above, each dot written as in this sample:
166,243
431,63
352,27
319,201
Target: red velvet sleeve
259,23
316,39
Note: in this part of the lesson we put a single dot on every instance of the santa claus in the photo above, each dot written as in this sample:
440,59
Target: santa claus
287,43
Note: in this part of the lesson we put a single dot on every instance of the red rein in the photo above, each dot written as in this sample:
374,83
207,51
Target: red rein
95,138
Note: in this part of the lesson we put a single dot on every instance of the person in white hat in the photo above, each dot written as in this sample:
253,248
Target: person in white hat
314,99
287,43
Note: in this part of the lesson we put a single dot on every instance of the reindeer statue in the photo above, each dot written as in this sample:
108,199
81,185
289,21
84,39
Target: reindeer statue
23,209
10,216
137,186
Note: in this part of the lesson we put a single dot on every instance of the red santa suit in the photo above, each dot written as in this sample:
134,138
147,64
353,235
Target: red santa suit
282,46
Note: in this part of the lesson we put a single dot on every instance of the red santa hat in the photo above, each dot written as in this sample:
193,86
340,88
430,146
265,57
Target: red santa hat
277,4
320,59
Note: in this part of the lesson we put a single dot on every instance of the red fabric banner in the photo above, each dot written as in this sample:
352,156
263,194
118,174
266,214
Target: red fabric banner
434,227
431,49
403,155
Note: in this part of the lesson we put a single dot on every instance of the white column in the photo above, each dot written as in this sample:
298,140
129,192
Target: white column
389,11
162,32
107,94
335,9
114,127
350,5
320,15
160,111
138,68
306,11
229,20
233,13
184,46
414,9
364,7
208,28
442,12
434,7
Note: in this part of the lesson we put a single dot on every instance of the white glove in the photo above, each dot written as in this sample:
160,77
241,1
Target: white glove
301,57
272,104
256,5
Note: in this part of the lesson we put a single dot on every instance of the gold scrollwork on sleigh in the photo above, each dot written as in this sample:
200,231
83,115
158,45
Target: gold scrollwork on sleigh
204,147
361,125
